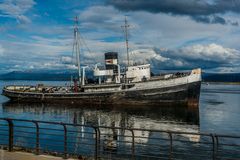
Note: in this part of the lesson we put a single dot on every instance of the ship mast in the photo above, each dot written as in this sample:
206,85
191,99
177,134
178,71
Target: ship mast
125,27
76,47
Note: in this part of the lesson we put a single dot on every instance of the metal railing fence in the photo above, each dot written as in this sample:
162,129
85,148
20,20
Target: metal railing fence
101,142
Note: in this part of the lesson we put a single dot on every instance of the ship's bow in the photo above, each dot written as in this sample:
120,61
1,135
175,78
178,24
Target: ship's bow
194,87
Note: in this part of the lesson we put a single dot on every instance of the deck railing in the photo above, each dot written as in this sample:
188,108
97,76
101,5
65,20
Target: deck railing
101,142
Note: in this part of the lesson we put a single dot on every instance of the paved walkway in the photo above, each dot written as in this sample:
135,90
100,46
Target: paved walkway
5,155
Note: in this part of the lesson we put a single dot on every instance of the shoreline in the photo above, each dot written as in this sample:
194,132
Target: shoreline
226,83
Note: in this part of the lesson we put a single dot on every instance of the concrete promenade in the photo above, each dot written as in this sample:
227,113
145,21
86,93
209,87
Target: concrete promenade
5,155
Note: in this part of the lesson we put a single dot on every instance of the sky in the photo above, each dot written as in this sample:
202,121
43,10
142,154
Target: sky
169,34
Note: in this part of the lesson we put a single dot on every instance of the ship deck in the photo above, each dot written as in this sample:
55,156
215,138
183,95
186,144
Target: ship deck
40,88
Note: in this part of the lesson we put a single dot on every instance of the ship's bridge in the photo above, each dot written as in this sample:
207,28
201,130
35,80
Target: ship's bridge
138,73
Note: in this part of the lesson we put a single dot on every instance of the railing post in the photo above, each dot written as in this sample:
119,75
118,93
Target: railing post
37,137
171,147
99,140
217,145
213,147
65,140
133,144
96,142
10,135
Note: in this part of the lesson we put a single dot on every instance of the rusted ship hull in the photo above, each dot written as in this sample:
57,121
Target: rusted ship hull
186,94
181,89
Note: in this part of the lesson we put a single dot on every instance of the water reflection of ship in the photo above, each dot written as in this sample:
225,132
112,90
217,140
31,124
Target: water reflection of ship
73,114
159,118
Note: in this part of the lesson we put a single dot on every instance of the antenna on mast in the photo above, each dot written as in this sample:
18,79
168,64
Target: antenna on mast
76,47
125,27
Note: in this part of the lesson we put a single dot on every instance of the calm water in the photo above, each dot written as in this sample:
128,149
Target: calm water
218,112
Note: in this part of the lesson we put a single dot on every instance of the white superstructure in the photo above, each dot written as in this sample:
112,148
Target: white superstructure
138,73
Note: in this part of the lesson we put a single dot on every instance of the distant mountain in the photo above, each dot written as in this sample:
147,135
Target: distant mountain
221,77
65,76
51,76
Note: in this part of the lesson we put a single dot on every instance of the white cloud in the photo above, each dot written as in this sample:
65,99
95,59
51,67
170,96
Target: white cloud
53,41
210,52
1,50
102,21
143,55
66,60
21,19
55,65
155,30
38,49
103,15
16,9
43,53
158,30
189,43
38,46
234,69
38,53
209,57
178,63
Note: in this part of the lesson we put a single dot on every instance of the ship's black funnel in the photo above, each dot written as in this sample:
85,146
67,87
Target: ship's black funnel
111,61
